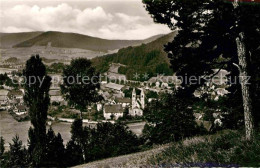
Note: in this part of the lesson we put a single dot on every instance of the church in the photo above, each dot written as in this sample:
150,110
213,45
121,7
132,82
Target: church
138,103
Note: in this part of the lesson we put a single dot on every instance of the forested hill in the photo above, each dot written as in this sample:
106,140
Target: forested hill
8,40
74,40
148,58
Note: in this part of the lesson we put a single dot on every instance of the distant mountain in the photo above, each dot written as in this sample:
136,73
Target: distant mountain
73,40
7,40
147,58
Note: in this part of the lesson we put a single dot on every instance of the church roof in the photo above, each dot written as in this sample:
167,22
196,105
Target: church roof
123,100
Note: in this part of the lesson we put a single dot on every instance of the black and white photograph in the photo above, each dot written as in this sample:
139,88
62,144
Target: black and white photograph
129,83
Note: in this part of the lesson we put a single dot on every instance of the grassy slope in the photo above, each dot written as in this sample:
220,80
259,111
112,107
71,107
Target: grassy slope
222,149
218,150
73,40
10,39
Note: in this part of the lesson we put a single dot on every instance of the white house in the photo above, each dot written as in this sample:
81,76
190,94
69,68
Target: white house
3,98
113,111
20,109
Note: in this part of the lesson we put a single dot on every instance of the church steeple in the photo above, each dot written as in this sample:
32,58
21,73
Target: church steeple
142,98
133,97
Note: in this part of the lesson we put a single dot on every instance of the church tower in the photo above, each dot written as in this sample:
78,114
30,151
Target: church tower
133,98
142,99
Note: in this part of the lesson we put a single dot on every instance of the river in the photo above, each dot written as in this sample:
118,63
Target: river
9,127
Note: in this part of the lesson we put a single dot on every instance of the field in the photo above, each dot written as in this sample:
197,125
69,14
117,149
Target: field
50,53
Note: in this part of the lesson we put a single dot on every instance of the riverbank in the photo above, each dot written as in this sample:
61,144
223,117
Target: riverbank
9,127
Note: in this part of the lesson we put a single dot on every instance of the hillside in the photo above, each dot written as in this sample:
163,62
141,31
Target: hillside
73,40
7,40
147,58
227,148
130,160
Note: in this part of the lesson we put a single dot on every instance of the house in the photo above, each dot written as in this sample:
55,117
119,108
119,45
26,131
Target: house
125,102
114,86
113,111
165,80
15,94
20,109
56,96
138,104
56,81
3,98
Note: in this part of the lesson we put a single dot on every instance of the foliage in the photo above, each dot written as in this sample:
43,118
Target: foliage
18,153
147,58
2,147
207,38
106,140
55,150
74,154
111,140
168,119
55,111
80,85
224,149
37,99
56,68
5,80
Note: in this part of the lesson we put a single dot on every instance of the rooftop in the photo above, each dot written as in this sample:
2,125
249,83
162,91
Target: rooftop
114,86
123,100
116,108
3,92
15,92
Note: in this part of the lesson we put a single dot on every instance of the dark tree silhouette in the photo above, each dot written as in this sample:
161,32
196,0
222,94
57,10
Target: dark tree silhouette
37,85
17,153
212,34
2,147
168,119
81,84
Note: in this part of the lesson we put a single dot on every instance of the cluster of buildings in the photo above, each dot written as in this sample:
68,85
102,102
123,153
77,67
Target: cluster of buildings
116,105
12,100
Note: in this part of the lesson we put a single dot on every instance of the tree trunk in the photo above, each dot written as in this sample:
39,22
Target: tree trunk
244,76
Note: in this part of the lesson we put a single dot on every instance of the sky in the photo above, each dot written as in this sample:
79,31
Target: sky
108,19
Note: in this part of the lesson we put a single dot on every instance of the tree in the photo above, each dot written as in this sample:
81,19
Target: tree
109,140
243,67
2,147
55,150
168,119
37,85
81,84
17,153
212,34
74,154
80,136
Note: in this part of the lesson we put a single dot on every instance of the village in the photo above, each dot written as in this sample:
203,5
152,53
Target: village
118,98
123,99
